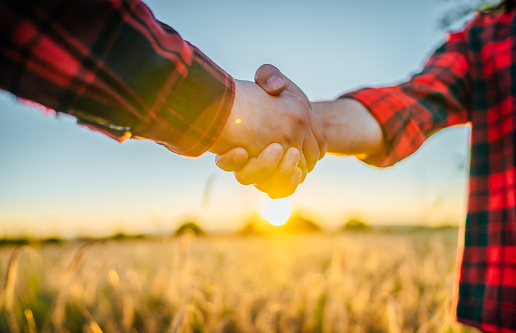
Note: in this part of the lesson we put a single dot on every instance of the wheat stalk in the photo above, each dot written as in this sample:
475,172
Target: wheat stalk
57,315
9,284
30,321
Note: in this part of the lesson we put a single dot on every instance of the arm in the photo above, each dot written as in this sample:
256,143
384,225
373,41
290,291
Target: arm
350,128
384,125
116,68
437,97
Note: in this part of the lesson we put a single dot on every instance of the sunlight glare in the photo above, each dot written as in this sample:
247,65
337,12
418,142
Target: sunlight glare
276,212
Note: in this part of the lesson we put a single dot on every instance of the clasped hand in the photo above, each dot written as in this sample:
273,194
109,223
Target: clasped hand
272,138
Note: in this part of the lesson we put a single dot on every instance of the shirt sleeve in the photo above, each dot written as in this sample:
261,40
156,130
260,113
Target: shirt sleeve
116,68
409,113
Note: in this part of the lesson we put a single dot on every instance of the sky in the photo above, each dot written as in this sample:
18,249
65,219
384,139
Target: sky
60,179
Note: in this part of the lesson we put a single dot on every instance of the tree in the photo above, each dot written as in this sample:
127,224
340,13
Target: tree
461,9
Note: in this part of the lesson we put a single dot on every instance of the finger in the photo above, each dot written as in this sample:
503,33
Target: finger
259,168
288,189
311,151
293,88
232,159
319,134
270,79
286,178
302,165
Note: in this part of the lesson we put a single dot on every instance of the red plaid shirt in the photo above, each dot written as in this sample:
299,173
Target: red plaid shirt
117,69
470,79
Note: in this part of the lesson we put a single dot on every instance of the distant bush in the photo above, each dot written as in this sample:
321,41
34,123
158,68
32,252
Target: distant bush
355,225
447,226
119,236
191,227
14,241
298,223
52,240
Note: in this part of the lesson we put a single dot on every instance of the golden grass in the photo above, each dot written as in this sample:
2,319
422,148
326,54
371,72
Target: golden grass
354,282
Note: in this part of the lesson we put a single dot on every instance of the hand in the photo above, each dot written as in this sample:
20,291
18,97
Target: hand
349,127
279,178
257,120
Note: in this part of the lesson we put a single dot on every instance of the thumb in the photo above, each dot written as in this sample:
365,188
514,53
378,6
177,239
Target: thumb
232,159
270,79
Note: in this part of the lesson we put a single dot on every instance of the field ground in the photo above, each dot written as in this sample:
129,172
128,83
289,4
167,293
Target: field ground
348,282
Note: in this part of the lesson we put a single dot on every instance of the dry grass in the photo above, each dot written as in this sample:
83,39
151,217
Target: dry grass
355,282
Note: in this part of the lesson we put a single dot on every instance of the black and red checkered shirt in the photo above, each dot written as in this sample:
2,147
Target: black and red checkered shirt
117,69
470,79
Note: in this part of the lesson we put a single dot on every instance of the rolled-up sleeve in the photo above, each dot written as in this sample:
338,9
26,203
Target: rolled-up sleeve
116,68
409,113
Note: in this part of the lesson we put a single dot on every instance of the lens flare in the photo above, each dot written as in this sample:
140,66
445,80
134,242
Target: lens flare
276,212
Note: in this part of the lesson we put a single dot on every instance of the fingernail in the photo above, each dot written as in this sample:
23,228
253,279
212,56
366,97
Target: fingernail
239,155
294,156
277,149
275,83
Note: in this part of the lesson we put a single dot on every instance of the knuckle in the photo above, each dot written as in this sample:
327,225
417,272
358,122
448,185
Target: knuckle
285,172
265,66
270,159
267,169
299,119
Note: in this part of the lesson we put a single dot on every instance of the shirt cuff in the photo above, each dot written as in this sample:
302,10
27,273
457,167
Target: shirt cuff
402,134
196,111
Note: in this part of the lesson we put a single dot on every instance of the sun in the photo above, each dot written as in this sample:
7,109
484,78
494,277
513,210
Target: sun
276,211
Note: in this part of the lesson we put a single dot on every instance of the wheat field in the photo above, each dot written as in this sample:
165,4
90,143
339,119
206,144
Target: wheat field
348,282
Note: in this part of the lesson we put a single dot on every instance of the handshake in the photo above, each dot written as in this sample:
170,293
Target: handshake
274,136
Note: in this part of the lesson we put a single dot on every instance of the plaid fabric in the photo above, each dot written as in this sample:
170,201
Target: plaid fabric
117,69
471,78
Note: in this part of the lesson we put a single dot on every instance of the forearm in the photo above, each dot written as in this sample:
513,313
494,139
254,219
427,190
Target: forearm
350,128
116,69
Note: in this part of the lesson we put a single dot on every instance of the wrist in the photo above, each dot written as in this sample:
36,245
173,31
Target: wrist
240,127
222,143
350,127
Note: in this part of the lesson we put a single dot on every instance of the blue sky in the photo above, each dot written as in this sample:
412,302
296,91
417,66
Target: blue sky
57,178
